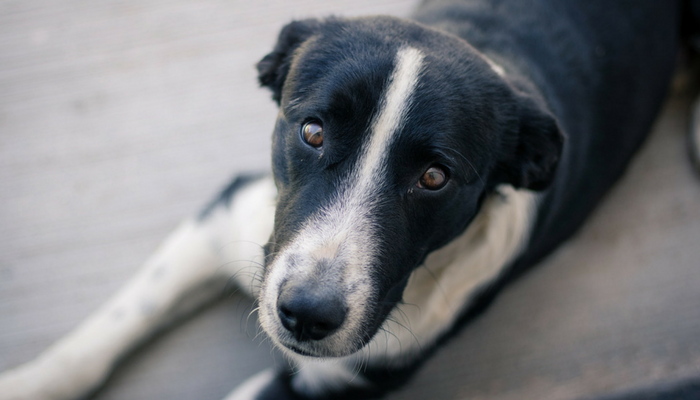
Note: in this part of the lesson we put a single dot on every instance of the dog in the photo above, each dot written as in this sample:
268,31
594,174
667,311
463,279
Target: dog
417,167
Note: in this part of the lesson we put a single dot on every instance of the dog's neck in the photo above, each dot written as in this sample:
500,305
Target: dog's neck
440,289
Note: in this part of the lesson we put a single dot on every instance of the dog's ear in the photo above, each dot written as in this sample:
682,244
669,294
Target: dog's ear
274,67
533,154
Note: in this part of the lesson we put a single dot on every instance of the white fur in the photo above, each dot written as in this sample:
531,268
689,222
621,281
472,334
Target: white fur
238,232
187,271
312,377
393,110
343,231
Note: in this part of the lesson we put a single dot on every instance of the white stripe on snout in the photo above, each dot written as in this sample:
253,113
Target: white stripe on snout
348,216
345,229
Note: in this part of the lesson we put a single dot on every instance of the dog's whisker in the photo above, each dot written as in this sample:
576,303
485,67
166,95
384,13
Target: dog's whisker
403,315
247,319
451,151
438,286
415,338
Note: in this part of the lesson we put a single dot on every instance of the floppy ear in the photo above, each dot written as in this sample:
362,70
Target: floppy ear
274,67
531,160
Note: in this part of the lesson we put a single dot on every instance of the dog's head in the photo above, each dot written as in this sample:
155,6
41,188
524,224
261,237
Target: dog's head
388,138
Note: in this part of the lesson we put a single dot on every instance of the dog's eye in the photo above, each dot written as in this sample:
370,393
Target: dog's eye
312,132
433,178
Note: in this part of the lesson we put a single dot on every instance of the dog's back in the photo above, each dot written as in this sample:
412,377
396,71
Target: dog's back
603,68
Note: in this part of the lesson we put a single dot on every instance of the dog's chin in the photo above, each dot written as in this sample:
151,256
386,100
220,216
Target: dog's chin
315,350
309,353
300,351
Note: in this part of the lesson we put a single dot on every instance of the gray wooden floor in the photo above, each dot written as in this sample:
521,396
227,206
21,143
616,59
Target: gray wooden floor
118,119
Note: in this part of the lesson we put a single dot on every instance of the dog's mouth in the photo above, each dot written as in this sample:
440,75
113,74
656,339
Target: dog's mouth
344,343
332,347
312,317
300,351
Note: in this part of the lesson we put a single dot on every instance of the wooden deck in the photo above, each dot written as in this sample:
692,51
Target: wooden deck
118,119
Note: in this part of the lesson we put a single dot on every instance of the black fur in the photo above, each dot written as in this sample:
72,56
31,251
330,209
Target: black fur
273,68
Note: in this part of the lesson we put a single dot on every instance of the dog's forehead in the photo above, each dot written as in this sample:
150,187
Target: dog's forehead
349,87
392,109
350,90
329,76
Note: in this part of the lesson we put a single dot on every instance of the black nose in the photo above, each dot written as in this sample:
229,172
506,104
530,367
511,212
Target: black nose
308,312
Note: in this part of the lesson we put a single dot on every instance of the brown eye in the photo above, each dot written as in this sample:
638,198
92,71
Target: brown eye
313,133
433,179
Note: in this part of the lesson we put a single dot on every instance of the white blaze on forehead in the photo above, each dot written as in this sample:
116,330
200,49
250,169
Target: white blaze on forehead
348,213
348,216
392,111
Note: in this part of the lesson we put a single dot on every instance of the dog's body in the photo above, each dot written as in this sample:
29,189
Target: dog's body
417,168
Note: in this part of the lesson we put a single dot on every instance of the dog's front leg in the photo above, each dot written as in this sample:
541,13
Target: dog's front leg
191,268
310,380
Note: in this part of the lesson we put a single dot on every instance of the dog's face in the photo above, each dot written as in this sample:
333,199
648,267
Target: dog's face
388,138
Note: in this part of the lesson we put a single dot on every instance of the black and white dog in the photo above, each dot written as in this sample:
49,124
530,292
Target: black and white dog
417,167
